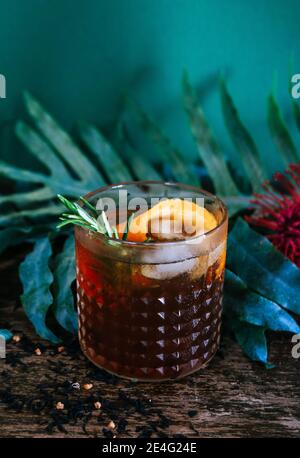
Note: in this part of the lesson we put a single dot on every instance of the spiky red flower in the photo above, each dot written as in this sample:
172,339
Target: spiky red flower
278,211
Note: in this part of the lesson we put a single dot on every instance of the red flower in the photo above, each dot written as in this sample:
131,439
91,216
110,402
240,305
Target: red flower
278,211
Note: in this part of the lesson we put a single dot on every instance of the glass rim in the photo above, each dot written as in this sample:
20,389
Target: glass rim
174,184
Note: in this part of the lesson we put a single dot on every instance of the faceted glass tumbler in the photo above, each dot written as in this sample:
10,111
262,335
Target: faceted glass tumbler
151,311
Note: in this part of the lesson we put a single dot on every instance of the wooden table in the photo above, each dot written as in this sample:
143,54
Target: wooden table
233,397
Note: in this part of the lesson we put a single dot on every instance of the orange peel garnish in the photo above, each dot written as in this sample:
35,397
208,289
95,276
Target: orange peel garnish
170,219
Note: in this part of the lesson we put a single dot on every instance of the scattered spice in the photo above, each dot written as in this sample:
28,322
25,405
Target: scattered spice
87,386
38,352
122,425
60,406
16,338
74,406
61,349
108,433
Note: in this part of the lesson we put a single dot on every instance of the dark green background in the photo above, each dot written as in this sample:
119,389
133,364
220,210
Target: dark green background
78,57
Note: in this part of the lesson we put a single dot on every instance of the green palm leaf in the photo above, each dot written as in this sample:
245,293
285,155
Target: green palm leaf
242,140
111,162
181,171
280,133
36,278
207,146
296,112
64,275
62,142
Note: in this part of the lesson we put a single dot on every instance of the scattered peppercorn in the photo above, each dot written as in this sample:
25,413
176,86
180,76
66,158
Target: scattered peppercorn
60,406
87,386
61,349
16,338
75,406
111,425
192,413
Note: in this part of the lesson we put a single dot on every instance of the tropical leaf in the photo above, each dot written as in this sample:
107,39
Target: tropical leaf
141,168
248,306
280,133
181,170
60,180
296,112
208,149
264,269
29,197
58,153
253,341
5,334
111,162
242,140
64,275
17,217
10,236
53,149
36,278
236,203
295,103
62,142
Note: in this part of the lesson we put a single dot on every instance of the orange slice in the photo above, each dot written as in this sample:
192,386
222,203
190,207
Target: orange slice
170,219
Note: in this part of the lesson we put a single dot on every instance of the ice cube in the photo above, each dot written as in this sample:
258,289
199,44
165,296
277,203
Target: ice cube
168,271
216,253
200,267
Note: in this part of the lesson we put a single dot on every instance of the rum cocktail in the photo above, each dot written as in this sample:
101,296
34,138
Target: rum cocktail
150,300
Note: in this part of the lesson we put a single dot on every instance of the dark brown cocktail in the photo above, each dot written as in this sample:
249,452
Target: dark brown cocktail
152,310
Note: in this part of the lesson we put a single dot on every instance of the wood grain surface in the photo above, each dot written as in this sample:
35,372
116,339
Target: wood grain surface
233,397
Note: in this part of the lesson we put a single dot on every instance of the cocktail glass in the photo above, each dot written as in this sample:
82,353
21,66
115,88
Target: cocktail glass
151,311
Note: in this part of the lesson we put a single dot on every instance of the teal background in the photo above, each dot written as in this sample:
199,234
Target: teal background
79,57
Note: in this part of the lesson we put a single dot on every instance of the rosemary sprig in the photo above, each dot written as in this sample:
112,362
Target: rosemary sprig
127,226
97,222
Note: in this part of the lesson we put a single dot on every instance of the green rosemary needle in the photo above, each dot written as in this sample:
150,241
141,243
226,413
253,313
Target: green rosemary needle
79,216
92,219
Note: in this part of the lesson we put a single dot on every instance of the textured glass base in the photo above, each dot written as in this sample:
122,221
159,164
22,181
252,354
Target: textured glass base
148,380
